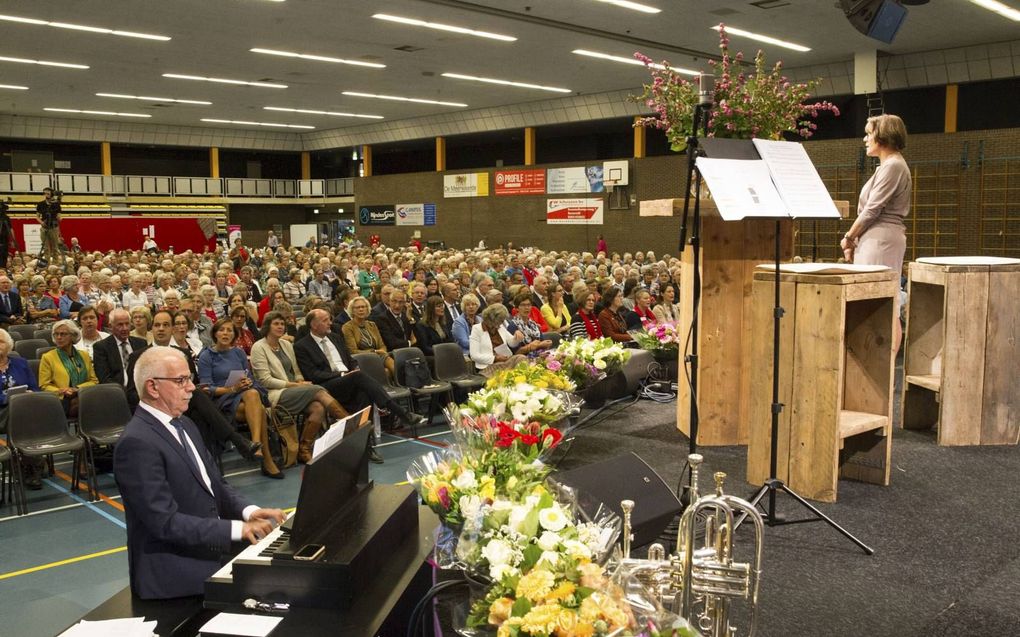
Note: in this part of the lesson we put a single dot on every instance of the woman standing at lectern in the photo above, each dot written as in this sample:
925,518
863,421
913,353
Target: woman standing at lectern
878,236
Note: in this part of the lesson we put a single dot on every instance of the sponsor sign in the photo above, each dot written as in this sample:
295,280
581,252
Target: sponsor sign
574,211
561,181
520,182
377,215
410,214
466,185
430,214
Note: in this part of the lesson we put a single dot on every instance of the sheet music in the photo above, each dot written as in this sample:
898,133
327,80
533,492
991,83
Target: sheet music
338,430
125,627
796,179
742,188
242,625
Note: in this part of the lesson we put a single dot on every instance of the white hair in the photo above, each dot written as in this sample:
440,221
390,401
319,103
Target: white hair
154,362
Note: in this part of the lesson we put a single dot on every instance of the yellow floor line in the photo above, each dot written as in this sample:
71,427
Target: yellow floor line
72,560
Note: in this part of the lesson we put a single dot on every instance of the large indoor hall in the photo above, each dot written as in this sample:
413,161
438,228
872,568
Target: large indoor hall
586,318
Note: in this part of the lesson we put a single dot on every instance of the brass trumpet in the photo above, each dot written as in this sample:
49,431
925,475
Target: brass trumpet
699,583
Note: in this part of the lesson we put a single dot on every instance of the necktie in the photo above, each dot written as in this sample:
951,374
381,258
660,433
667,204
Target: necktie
124,360
7,304
325,351
453,311
179,426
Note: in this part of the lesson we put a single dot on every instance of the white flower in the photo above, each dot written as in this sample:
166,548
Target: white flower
466,480
576,550
497,552
517,515
502,504
599,363
552,518
470,506
499,570
548,541
552,558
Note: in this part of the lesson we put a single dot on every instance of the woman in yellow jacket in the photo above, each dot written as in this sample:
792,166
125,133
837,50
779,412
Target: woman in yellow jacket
64,370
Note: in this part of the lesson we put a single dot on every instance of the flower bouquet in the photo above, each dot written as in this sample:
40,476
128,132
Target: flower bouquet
521,402
532,440
586,361
658,336
527,373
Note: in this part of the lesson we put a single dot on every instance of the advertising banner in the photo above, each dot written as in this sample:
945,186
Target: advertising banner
466,185
377,215
574,211
233,232
430,214
410,214
520,182
561,181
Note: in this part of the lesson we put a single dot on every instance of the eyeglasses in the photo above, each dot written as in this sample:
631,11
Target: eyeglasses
180,381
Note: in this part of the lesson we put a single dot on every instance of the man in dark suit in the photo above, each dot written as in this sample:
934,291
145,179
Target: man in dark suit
181,515
379,309
11,311
418,294
394,326
323,359
110,355
451,302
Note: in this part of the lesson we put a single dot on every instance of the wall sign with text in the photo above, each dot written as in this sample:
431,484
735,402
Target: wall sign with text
520,182
377,215
416,214
466,185
574,211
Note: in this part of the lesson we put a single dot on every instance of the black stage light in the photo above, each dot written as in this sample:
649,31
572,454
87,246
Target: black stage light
878,19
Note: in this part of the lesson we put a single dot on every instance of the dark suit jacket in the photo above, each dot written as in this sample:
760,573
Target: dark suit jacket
106,358
395,334
177,530
312,362
428,338
17,311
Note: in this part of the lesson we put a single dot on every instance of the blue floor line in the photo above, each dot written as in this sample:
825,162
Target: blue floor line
85,502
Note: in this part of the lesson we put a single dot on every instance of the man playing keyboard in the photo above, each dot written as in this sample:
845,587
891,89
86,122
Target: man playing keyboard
181,515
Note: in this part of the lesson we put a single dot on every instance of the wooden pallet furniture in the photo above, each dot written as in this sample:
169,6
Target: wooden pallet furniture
836,379
962,360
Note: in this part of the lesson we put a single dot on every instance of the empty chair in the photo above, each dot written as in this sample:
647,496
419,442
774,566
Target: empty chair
452,368
38,428
45,334
103,413
369,363
27,347
23,331
431,389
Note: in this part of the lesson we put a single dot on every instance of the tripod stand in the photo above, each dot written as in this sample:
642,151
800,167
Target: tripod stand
773,485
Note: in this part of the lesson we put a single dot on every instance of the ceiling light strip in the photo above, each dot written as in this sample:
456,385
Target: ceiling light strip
247,123
633,6
627,60
444,27
147,98
318,58
65,65
397,98
83,27
490,80
306,111
221,80
14,87
1004,10
84,112
763,38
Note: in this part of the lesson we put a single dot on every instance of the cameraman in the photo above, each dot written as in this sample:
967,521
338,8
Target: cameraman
48,213
7,239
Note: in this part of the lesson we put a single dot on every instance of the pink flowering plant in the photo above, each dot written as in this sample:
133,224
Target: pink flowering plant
658,336
763,103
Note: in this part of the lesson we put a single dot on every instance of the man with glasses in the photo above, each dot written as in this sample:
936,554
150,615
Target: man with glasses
181,514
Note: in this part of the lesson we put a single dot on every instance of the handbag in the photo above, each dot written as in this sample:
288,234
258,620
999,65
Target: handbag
416,373
283,436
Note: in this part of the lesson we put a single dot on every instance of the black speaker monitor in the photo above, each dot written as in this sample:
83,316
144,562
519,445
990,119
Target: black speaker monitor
878,19
625,477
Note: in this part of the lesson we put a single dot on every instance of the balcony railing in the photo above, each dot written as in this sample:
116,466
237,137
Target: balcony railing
123,185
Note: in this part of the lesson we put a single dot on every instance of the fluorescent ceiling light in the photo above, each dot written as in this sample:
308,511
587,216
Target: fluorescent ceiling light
75,110
444,27
764,38
247,123
397,98
14,87
311,112
82,27
634,6
147,98
627,60
42,62
489,80
221,80
1000,8
319,58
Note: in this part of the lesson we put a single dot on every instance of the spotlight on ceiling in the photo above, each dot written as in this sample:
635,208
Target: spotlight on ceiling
878,19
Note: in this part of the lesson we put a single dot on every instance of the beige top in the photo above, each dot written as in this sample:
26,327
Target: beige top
885,198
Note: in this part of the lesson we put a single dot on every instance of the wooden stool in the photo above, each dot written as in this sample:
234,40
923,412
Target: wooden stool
836,379
962,360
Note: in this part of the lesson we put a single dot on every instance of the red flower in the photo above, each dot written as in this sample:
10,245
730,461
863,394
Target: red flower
529,439
554,434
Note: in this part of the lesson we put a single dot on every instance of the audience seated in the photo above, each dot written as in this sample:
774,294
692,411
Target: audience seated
431,328
64,369
491,344
362,335
611,321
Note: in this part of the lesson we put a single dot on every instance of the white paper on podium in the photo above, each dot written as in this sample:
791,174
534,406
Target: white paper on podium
237,624
741,188
336,432
796,179
124,627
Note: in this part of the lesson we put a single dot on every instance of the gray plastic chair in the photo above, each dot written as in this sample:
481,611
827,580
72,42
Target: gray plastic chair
371,365
451,367
431,390
44,334
28,346
103,414
23,331
42,350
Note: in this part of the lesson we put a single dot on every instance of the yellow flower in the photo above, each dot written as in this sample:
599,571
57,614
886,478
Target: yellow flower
539,490
566,622
499,612
591,576
535,585
541,619
541,384
561,592
581,629
487,488
504,628
520,379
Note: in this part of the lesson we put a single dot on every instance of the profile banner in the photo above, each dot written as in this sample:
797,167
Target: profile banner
574,211
377,215
520,182
466,185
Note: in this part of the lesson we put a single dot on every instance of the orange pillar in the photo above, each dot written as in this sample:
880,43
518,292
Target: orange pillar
104,158
639,139
440,154
366,159
214,162
529,146
306,165
952,101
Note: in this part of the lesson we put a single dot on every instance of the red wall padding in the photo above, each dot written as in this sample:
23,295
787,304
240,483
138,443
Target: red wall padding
125,233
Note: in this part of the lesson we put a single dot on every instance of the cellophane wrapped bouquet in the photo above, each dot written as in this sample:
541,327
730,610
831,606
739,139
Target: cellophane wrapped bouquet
586,361
658,336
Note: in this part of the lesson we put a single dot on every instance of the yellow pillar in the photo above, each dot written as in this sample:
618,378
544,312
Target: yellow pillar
440,154
366,159
104,158
639,139
529,146
952,100
306,165
214,162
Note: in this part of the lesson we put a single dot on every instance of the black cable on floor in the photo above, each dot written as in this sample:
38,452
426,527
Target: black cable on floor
415,625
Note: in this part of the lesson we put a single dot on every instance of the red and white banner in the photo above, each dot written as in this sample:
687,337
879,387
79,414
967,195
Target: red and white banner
574,211
520,182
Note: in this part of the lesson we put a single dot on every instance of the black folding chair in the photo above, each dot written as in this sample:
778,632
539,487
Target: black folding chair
431,390
452,368
103,413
